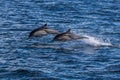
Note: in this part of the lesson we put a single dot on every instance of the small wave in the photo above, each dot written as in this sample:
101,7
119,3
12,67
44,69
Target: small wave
38,78
27,73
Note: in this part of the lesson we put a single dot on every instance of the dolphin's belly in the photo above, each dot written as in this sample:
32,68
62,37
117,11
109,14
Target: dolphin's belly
40,33
64,38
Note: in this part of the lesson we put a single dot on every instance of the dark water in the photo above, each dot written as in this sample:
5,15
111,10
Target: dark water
41,59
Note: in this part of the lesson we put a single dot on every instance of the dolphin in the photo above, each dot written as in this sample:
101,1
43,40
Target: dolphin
67,36
41,31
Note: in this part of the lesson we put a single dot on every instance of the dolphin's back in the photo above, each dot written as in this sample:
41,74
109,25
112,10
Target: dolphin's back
37,30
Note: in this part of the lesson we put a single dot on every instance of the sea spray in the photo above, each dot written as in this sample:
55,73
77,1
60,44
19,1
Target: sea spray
95,42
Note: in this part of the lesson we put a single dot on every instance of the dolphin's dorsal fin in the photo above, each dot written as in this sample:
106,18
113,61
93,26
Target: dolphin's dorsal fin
44,26
68,31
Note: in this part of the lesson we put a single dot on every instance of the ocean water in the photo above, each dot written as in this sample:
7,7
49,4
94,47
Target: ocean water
41,59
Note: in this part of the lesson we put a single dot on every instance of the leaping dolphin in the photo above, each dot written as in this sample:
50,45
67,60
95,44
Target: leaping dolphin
41,31
66,36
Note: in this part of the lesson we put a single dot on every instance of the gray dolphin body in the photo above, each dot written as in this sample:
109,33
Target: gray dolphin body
43,30
66,36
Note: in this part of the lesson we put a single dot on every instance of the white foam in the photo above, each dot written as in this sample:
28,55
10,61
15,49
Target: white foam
95,42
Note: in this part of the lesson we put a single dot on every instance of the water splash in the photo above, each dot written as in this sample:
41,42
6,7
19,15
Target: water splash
95,42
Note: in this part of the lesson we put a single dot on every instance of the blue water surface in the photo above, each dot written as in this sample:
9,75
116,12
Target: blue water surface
41,59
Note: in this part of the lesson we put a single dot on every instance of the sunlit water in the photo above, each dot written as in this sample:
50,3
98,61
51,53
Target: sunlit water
41,59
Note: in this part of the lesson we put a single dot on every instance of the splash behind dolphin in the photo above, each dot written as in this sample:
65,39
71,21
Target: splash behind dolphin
95,42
